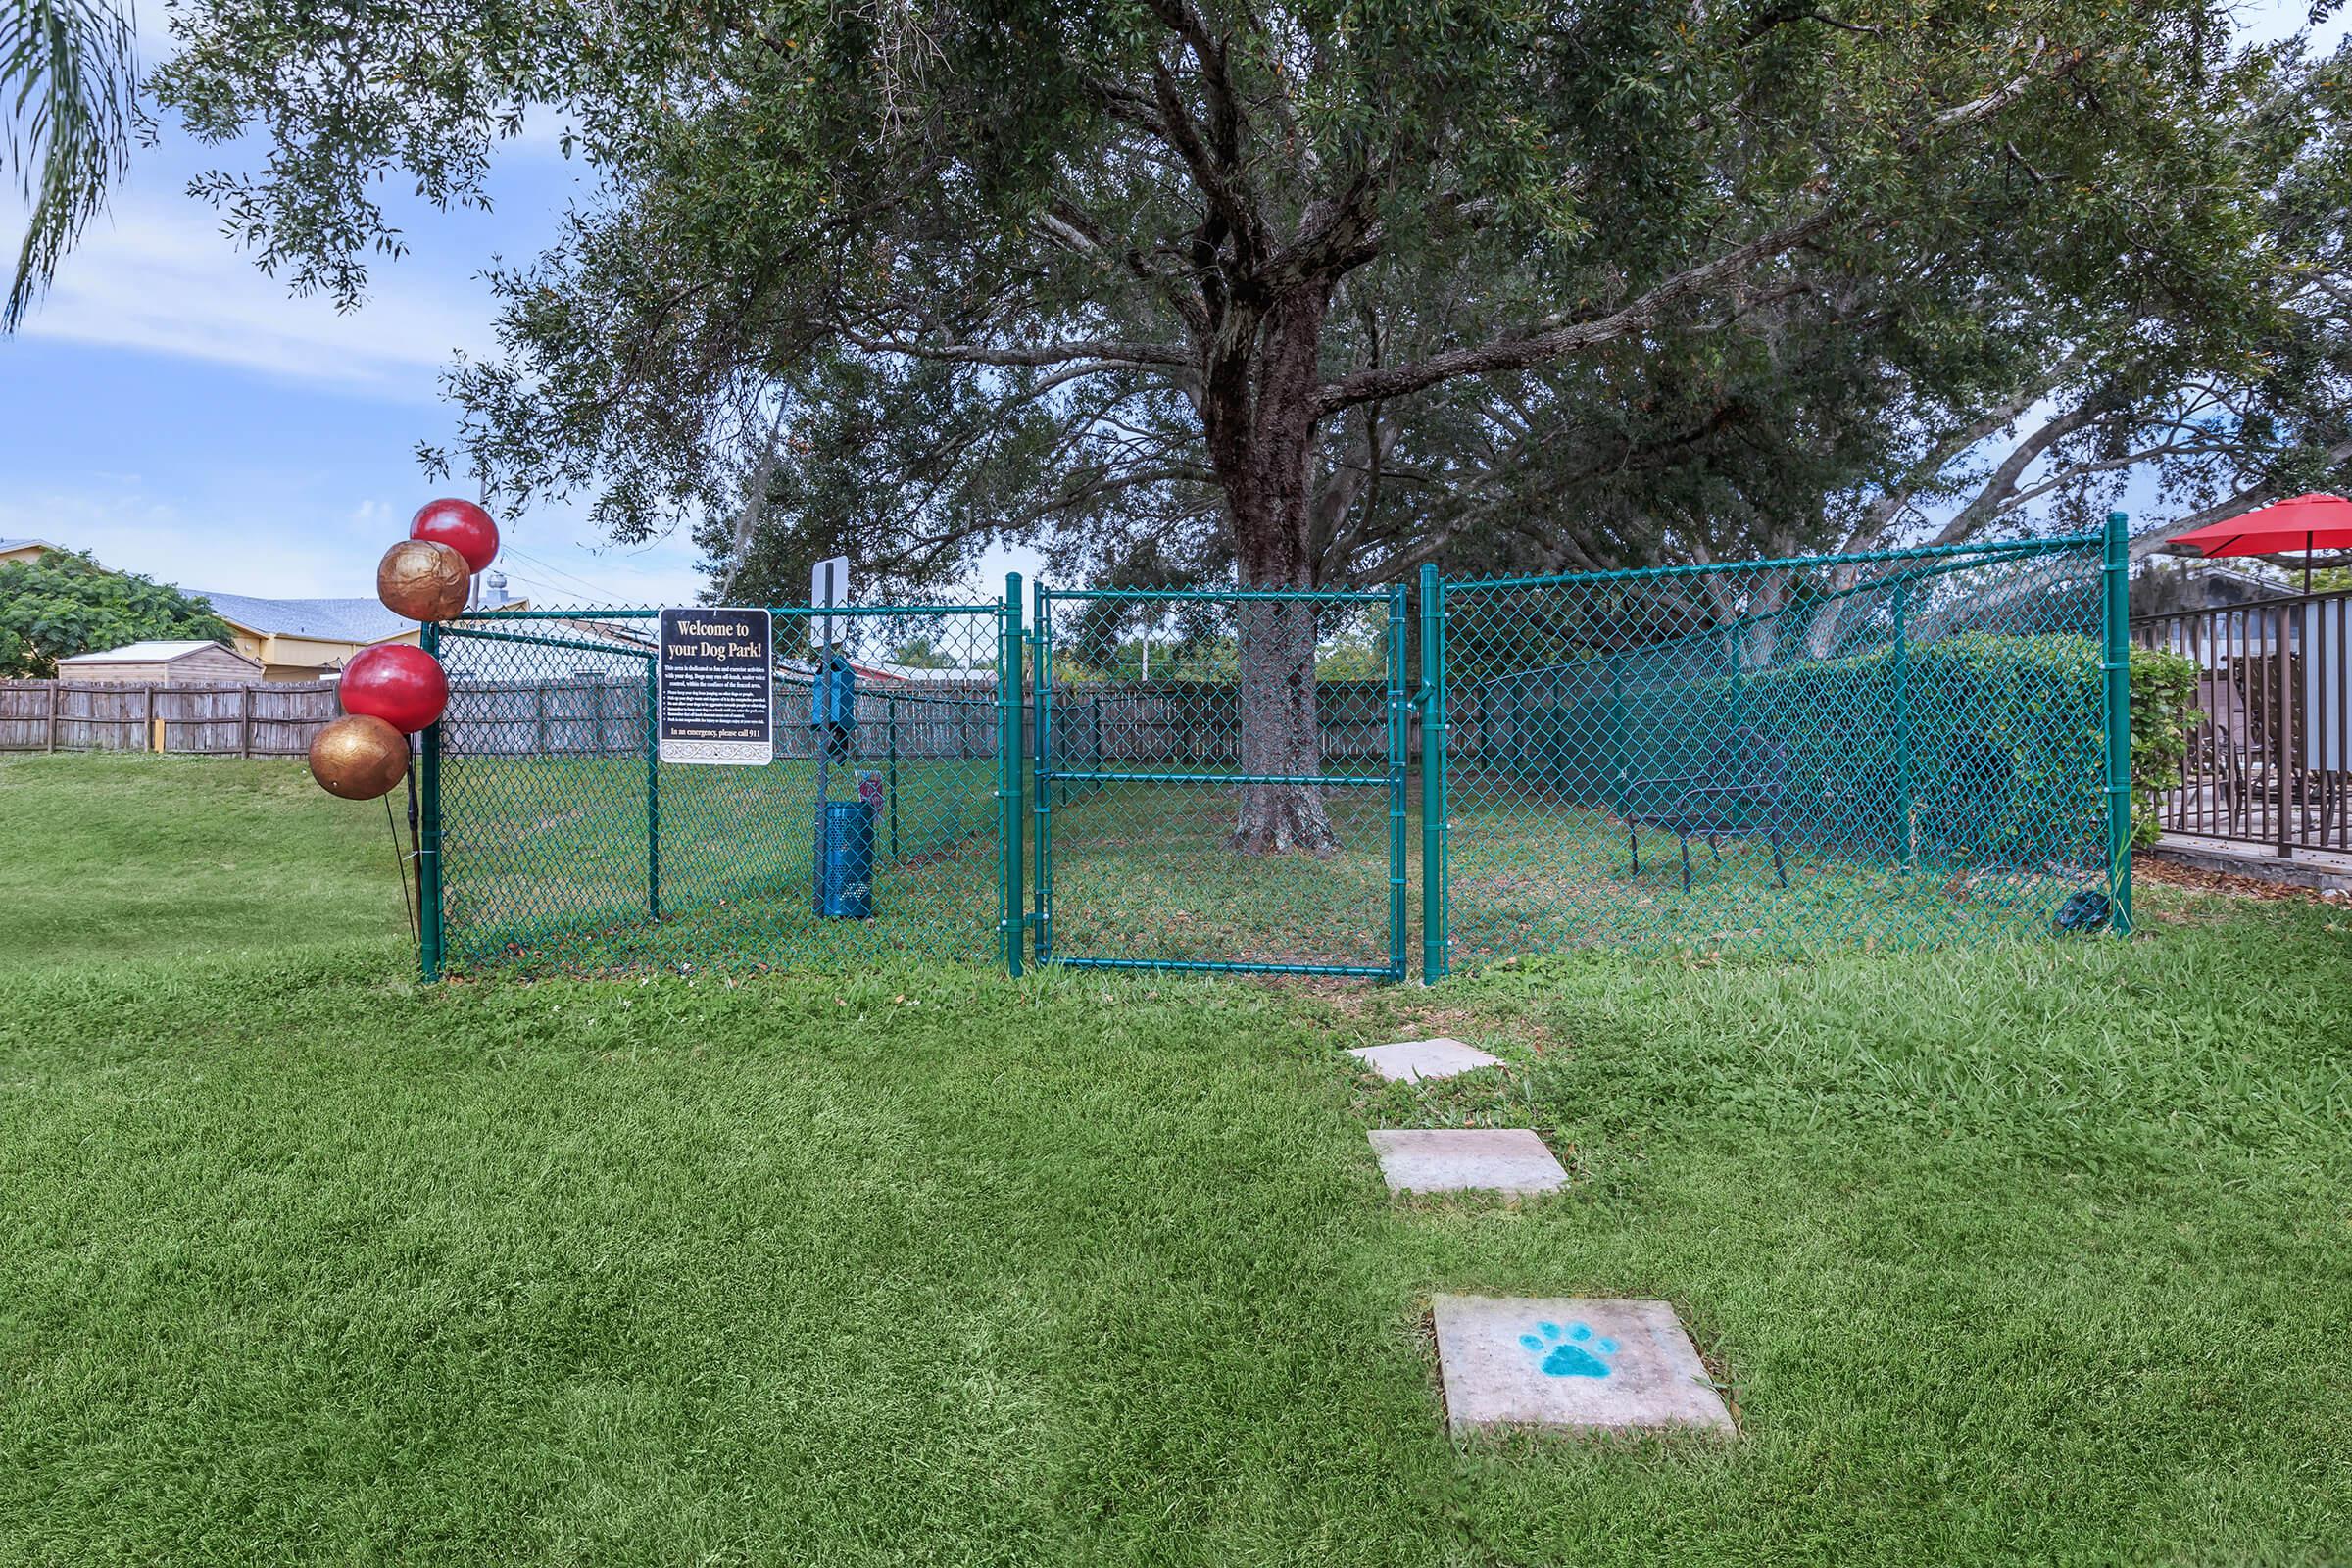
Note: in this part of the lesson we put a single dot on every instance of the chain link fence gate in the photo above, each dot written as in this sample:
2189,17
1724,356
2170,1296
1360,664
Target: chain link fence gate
557,842
1177,734
1890,749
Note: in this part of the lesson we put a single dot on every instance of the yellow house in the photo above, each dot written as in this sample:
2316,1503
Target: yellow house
311,639
297,639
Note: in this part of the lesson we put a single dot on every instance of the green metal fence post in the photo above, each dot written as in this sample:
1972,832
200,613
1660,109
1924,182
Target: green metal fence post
1906,848
1399,703
889,724
2115,666
428,850
1041,677
1009,771
1432,776
1620,775
652,790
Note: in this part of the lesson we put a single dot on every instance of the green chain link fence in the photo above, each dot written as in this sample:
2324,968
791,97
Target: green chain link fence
565,845
1882,750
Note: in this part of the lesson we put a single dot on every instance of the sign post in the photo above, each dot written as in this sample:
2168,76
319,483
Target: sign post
845,831
828,589
717,672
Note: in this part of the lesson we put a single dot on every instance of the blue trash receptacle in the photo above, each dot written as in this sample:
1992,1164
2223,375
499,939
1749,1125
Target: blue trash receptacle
845,860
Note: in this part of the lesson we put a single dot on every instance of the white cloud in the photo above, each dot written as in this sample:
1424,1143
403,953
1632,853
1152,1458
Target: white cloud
161,279
302,542
133,530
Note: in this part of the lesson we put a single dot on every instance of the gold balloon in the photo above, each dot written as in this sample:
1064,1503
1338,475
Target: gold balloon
358,757
423,579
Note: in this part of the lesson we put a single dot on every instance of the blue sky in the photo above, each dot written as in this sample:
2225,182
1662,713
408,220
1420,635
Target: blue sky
175,413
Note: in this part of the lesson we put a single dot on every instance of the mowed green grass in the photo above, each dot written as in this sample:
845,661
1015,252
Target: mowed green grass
553,864
131,858
1529,876
2028,1253
1143,871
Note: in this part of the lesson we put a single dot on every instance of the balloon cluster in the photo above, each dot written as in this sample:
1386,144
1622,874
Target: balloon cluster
391,691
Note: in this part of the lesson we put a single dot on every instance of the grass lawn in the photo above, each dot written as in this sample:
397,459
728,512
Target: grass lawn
550,867
2021,1252
129,857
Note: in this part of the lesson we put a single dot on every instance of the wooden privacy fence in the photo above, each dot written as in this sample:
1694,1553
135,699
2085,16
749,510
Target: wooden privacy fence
596,715
242,720
588,715
1193,722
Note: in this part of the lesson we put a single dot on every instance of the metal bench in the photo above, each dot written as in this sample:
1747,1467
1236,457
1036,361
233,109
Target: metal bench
1740,796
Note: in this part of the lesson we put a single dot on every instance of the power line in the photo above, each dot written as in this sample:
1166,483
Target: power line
579,584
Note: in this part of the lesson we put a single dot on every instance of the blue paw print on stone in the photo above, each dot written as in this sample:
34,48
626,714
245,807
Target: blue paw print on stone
1572,1353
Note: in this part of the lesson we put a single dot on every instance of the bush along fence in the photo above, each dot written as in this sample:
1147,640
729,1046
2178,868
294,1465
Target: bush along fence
1875,750
1887,750
245,718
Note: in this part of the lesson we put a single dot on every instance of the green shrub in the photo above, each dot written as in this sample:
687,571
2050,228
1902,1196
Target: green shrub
1992,746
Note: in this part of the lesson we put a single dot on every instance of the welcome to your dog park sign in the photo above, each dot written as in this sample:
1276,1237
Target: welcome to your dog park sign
717,686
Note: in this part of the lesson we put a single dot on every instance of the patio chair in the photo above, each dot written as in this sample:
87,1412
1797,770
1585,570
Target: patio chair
1738,796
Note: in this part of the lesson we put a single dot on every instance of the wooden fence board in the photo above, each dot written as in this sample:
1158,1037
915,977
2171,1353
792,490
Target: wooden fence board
589,715
229,720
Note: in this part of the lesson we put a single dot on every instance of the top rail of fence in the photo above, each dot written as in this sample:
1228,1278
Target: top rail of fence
975,607
1220,596
1988,548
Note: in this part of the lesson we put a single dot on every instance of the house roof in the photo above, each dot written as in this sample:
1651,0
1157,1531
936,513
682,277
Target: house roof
154,652
2198,585
338,620
7,545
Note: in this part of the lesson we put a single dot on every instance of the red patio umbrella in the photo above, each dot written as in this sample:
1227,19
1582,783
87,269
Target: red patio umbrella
2305,523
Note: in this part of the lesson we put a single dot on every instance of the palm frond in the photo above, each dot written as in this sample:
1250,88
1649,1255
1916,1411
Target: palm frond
68,73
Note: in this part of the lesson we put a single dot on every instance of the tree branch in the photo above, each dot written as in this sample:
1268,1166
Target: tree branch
1550,342
2261,493
1991,497
1535,348
1120,355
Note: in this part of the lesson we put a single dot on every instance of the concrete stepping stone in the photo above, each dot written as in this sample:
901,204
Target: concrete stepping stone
1410,1060
1577,1363
1512,1161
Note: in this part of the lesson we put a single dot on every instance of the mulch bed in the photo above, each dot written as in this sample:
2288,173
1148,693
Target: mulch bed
2148,868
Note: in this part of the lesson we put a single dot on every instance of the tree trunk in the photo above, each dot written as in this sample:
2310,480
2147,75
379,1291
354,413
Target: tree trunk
1259,416
1281,732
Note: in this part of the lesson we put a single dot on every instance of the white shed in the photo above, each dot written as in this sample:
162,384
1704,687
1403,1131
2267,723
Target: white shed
163,663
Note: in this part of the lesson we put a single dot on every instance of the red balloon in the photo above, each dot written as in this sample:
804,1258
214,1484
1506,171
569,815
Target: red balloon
460,524
401,685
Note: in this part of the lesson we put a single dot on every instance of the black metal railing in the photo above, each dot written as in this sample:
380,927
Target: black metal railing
2269,756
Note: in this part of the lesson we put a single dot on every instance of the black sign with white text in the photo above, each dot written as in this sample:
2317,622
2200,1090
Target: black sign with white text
717,687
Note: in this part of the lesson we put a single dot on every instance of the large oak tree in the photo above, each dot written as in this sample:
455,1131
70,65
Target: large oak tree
1302,293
